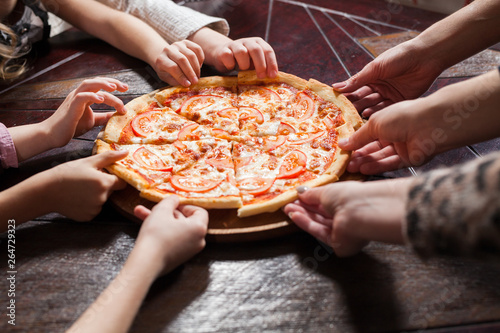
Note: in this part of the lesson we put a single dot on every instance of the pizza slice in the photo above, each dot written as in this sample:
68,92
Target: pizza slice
268,170
209,182
149,164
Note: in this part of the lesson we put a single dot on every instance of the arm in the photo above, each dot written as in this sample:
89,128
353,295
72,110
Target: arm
76,189
169,236
410,133
407,70
176,63
73,118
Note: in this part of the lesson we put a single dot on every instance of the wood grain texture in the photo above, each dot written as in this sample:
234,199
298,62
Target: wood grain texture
289,282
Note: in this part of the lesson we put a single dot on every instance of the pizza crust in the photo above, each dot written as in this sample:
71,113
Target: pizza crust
326,92
208,203
250,77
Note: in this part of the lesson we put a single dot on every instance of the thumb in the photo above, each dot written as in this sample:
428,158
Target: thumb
358,80
105,159
359,139
310,196
141,212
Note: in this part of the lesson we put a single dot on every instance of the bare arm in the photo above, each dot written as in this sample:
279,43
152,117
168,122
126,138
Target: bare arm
169,236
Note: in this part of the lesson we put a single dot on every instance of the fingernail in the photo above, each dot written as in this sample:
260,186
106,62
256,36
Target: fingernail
302,188
339,85
112,86
290,215
343,142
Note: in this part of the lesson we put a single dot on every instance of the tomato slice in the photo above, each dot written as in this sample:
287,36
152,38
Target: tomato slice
143,123
221,134
179,145
220,162
285,129
231,113
242,161
186,133
293,165
261,93
150,160
193,184
271,143
306,137
248,113
198,102
255,185
303,107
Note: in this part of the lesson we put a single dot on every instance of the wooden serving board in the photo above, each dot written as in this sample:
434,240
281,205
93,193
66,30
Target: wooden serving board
224,224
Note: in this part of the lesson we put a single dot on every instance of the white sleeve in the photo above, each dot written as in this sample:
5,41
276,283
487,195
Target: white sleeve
171,21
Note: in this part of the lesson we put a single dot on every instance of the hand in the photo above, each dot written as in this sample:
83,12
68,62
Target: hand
348,215
175,233
180,63
401,136
401,73
78,189
75,117
247,53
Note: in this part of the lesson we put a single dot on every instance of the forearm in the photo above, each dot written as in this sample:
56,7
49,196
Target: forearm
30,140
455,211
463,113
123,31
24,201
461,34
115,309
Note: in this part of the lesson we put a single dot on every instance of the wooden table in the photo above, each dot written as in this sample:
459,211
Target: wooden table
287,283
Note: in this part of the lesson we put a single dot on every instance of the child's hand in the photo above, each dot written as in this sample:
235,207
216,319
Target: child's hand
347,215
180,63
78,189
172,233
247,53
75,117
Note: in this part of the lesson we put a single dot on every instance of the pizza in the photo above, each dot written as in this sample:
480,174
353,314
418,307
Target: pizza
232,142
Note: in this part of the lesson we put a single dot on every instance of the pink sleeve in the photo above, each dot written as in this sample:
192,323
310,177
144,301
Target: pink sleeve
8,156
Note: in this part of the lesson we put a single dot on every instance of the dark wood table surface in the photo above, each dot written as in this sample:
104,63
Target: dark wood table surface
286,283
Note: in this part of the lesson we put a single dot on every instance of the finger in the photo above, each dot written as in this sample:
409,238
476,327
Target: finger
192,67
101,118
368,101
270,55
170,72
314,212
199,56
370,156
317,230
167,205
227,58
360,93
389,163
194,213
311,197
141,212
365,76
371,110
112,101
359,139
100,161
258,58
240,53
118,184
98,83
